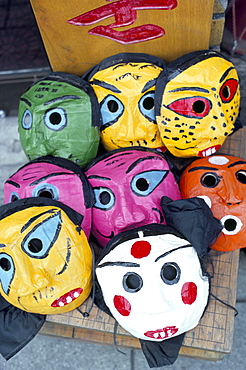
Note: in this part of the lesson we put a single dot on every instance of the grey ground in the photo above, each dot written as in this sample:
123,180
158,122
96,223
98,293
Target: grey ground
47,353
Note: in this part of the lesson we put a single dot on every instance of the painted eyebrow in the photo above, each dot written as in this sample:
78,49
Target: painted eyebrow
199,89
98,177
123,264
202,168
48,176
11,182
149,84
134,164
26,101
225,74
2,245
236,164
106,86
62,98
172,250
29,222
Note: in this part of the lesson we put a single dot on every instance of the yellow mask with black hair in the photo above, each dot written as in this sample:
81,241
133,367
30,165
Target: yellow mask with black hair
45,258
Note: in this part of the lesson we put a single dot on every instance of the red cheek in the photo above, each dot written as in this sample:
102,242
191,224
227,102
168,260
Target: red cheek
122,305
189,293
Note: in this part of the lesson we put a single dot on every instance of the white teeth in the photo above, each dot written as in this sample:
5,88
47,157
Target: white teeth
68,299
162,334
75,294
213,150
156,335
61,304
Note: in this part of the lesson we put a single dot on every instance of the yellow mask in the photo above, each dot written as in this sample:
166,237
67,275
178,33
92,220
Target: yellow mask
199,102
126,95
45,258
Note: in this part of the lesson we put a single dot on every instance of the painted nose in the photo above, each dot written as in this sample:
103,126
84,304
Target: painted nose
230,193
129,217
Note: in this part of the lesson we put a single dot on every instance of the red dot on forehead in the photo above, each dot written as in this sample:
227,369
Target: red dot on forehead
140,249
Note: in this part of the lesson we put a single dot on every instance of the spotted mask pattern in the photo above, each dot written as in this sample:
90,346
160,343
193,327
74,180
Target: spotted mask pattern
198,105
221,181
126,95
45,261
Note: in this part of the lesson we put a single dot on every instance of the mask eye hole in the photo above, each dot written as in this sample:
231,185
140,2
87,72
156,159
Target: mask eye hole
35,245
170,273
113,106
5,264
210,180
45,194
13,197
198,106
241,176
132,282
228,90
142,184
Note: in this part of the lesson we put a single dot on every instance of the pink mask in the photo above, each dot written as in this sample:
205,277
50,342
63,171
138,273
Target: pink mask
55,178
128,186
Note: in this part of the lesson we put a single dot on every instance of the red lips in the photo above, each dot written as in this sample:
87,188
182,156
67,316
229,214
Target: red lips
67,298
164,333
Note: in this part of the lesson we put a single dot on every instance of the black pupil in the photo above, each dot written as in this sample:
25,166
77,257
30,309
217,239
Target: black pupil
5,264
113,106
55,118
169,272
104,197
209,180
198,106
230,224
133,281
142,184
241,176
226,92
148,103
14,198
35,245
45,194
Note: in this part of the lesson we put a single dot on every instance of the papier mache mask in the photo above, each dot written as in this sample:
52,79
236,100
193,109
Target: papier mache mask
59,115
55,178
160,288
197,103
128,185
221,181
125,85
45,257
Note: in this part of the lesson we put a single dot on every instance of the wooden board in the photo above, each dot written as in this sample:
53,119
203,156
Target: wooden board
70,48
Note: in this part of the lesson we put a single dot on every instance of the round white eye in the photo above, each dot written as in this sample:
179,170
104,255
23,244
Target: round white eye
206,199
27,120
55,119
231,224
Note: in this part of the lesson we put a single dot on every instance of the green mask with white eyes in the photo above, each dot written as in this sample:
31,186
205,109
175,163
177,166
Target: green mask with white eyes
58,115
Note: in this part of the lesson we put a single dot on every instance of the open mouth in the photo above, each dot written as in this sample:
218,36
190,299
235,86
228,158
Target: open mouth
67,298
231,224
209,151
164,333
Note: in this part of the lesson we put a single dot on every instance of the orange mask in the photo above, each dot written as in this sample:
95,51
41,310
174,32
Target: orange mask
221,181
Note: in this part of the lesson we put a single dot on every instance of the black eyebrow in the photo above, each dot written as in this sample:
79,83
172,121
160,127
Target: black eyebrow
134,164
199,89
149,84
172,250
202,168
225,74
106,86
13,183
2,245
26,101
29,222
48,176
236,163
119,263
62,98
98,177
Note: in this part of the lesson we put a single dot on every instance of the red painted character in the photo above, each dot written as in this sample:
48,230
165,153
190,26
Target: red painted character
125,13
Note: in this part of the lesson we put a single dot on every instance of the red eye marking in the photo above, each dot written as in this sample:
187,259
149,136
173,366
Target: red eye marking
122,305
140,249
195,107
189,293
228,90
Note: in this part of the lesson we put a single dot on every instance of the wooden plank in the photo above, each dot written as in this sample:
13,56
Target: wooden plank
71,49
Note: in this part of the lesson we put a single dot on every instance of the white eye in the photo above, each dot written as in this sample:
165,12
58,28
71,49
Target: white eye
55,119
147,107
111,110
145,182
232,224
27,120
46,190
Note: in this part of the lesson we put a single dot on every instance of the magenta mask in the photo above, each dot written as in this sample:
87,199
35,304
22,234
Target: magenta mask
128,186
55,178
